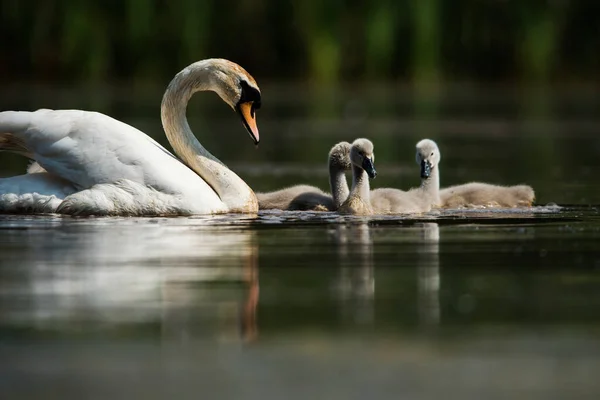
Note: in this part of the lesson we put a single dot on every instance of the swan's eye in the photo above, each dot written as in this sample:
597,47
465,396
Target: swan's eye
432,153
250,95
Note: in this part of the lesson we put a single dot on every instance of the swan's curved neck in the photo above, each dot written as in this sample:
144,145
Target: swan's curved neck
431,186
360,184
232,190
338,185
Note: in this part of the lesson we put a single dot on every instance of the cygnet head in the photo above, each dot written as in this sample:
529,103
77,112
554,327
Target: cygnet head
361,155
339,156
428,157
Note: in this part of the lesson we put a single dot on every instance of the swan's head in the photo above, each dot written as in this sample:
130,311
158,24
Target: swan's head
428,157
237,88
339,156
362,156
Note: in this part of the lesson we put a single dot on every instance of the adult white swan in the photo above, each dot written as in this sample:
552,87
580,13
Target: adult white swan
92,164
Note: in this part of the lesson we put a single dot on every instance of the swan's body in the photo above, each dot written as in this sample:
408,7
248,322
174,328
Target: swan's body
429,195
284,199
311,198
111,167
394,201
476,194
415,200
312,201
91,164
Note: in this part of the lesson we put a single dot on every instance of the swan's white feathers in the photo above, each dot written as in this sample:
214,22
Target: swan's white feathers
127,198
89,148
36,192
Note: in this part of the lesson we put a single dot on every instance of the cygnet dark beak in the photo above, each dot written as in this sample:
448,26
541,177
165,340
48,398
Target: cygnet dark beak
425,169
368,166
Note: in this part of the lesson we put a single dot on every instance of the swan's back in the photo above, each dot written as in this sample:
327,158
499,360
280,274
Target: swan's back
394,201
283,198
356,205
485,194
89,148
312,201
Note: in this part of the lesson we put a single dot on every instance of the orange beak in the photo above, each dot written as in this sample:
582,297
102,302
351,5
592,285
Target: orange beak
246,111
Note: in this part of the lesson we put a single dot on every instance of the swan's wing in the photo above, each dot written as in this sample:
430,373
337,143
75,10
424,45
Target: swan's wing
35,192
88,148
393,200
281,199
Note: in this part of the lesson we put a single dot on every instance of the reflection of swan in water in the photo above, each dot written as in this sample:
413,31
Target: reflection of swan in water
429,275
249,327
355,284
230,310
127,272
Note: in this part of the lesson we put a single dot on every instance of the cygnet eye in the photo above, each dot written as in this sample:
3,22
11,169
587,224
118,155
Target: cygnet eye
432,153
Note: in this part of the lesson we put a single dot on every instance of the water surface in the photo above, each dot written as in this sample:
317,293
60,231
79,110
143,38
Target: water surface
294,305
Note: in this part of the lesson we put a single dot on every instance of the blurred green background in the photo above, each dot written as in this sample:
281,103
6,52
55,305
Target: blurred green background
308,40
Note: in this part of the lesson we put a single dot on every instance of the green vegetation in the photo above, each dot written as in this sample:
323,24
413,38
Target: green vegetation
423,41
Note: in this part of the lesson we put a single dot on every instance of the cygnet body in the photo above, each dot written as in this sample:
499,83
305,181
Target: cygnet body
477,194
311,198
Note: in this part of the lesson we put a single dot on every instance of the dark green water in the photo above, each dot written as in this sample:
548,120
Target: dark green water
460,304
